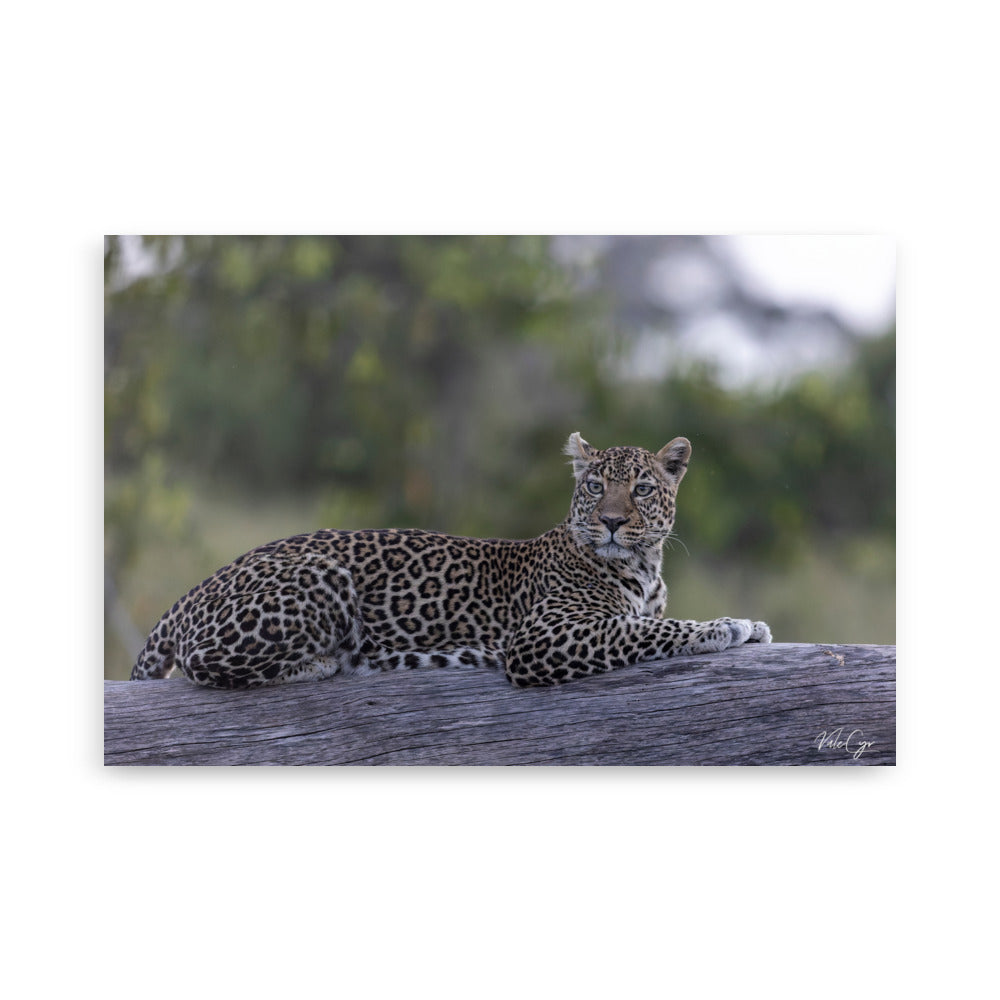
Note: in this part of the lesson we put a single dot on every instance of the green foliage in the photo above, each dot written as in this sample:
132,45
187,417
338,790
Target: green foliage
432,381
355,364
773,472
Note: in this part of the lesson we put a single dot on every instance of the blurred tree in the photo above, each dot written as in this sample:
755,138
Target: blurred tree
384,365
773,472
432,381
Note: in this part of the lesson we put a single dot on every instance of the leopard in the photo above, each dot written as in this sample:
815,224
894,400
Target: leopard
581,599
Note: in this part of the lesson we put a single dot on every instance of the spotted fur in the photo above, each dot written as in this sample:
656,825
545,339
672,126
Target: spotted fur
583,598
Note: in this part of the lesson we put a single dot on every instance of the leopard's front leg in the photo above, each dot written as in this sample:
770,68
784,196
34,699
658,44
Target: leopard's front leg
716,635
558,642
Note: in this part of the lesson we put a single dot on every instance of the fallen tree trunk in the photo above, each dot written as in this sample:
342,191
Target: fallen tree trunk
784,703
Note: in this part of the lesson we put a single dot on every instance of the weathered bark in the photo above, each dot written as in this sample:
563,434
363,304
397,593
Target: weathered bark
783,703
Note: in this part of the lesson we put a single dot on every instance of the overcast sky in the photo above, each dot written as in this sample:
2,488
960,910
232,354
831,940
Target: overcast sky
855,275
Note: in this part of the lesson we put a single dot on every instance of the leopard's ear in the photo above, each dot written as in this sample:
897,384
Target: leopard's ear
674,457
580,452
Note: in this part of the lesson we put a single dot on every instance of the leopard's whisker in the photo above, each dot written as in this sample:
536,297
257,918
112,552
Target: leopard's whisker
671,538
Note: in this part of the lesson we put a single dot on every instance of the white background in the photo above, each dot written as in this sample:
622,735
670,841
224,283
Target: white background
542,117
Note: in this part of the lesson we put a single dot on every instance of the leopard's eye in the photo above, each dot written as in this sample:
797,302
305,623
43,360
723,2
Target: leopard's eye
594,488
642,490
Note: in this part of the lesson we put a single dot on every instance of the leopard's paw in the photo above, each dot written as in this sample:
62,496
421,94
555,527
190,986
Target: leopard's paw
725,633
743,630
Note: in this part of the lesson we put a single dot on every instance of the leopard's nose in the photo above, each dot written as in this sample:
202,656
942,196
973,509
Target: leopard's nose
613,523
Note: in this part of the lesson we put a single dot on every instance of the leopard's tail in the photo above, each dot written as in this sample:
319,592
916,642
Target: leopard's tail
158,656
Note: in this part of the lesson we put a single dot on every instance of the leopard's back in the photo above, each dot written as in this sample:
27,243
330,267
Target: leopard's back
405,597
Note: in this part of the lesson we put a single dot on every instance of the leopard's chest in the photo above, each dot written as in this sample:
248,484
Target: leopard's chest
654,599
638,591
646,591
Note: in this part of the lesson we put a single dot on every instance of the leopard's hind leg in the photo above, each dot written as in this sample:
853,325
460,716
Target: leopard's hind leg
281,617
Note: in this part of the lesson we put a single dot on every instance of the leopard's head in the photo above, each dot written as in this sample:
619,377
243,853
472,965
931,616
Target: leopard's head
625,498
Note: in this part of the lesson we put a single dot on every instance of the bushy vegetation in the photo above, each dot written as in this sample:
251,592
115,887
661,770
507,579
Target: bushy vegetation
432,381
